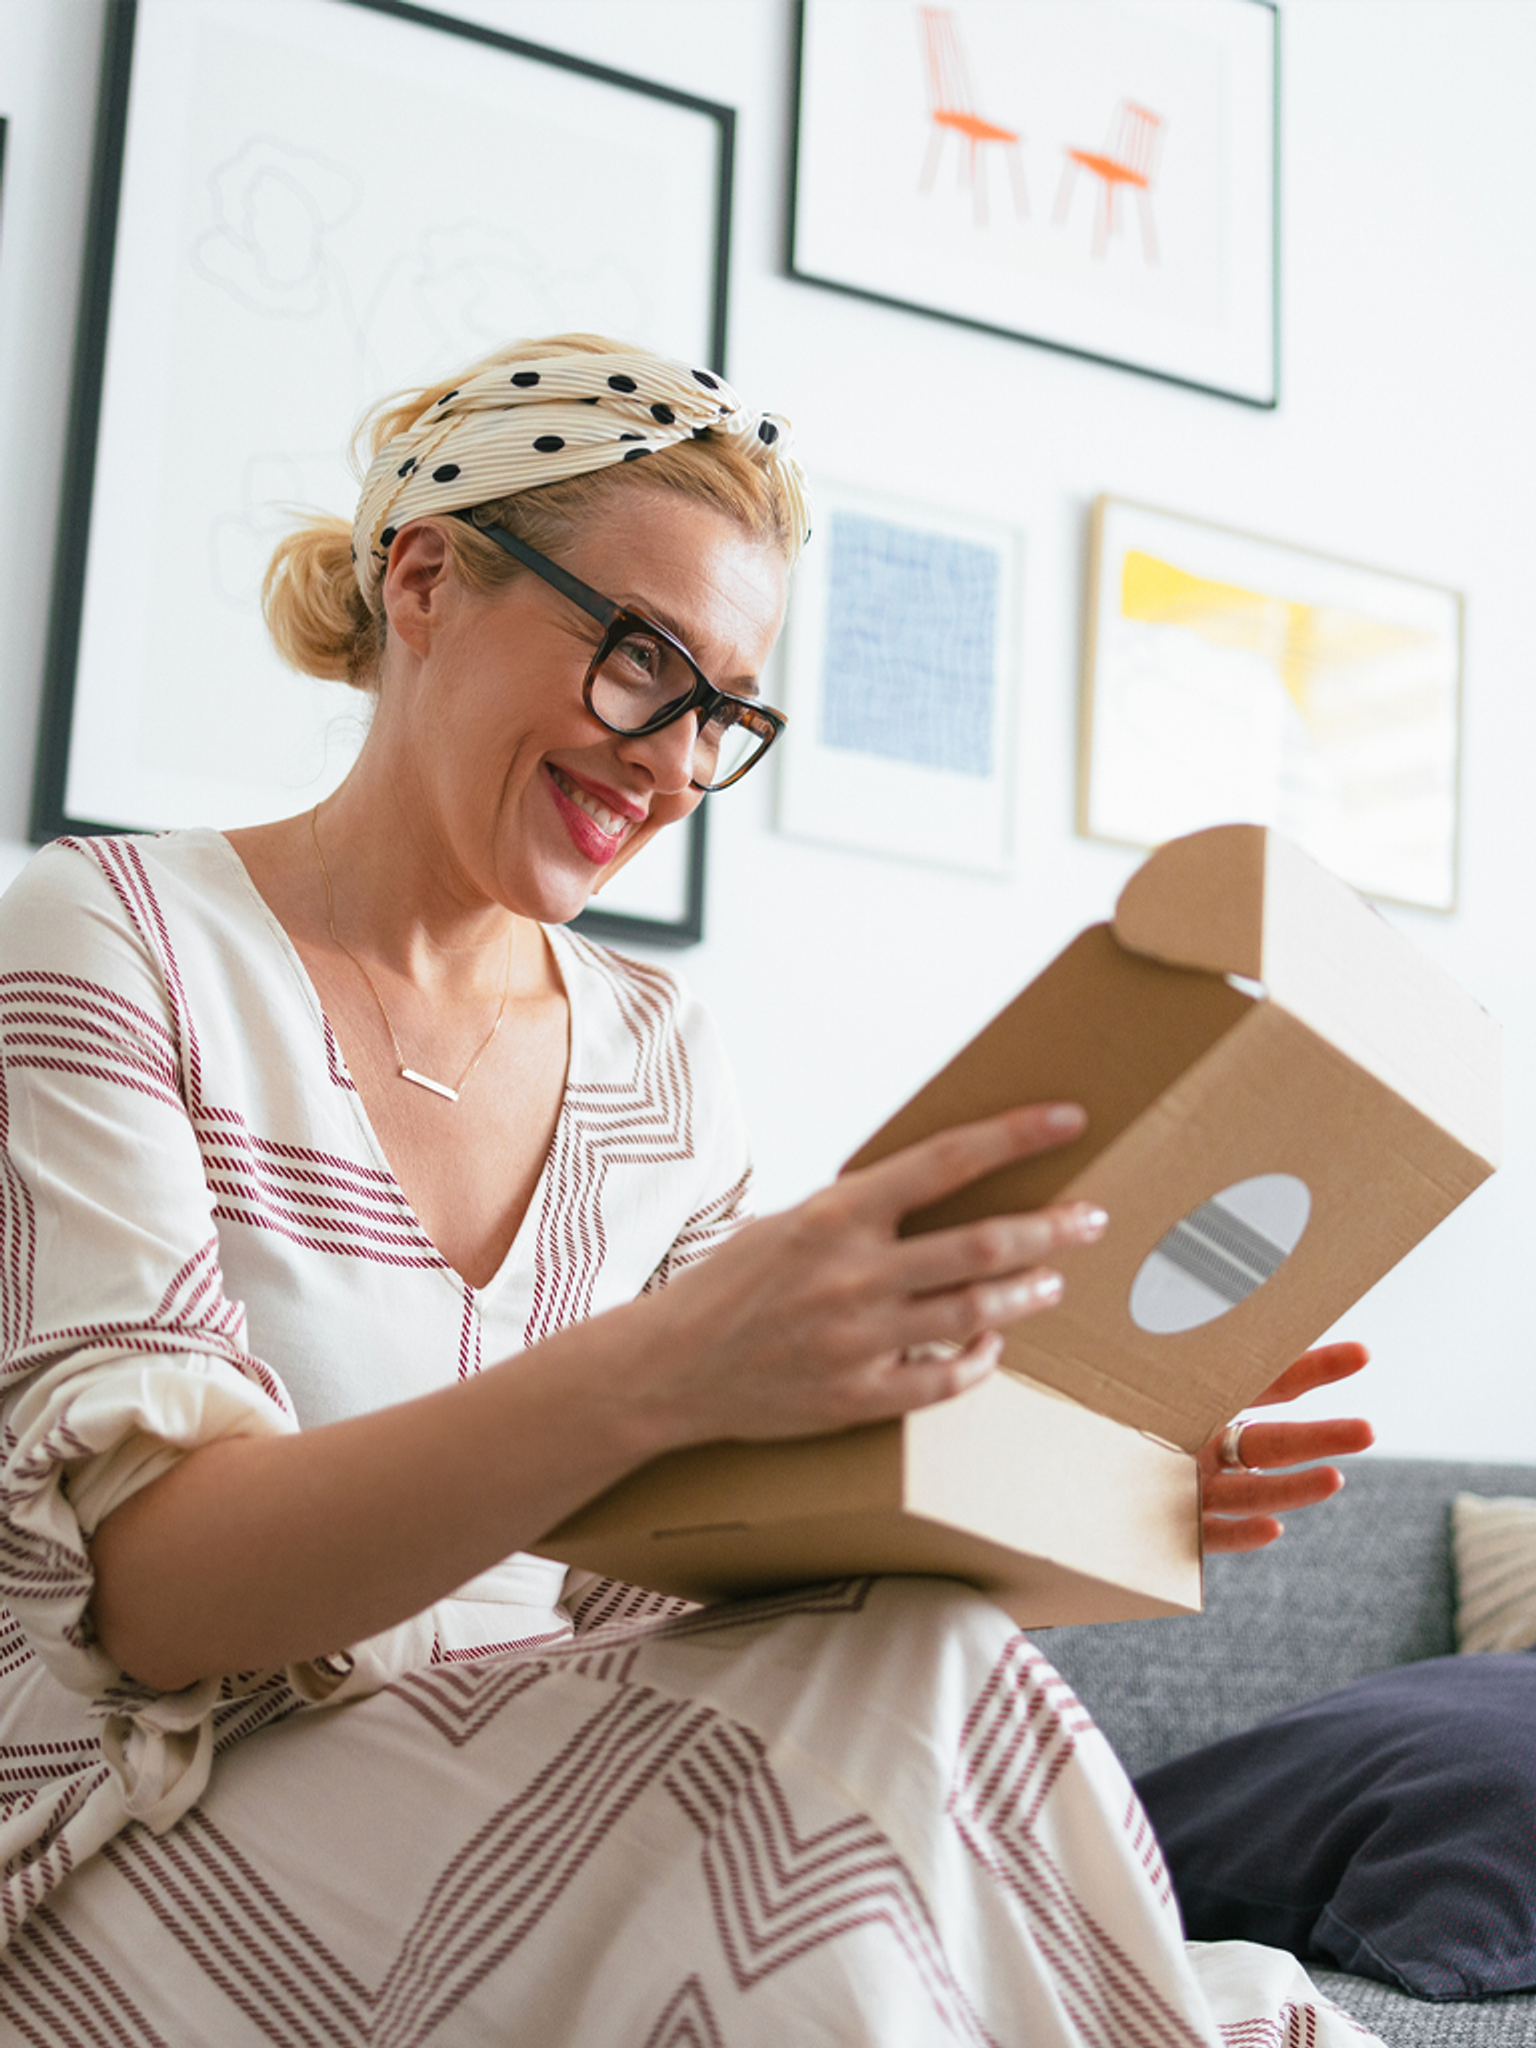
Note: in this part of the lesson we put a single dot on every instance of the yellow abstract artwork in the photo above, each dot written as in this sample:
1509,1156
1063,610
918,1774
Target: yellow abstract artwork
1230,678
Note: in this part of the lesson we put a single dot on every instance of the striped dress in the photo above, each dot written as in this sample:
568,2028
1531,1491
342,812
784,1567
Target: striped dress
550,1810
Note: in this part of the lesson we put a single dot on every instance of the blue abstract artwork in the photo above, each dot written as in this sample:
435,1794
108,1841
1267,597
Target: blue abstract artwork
910,665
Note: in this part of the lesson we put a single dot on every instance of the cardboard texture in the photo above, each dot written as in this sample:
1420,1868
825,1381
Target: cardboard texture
1267,1147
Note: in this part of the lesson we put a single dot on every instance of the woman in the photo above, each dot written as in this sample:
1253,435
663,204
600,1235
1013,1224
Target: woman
355,1221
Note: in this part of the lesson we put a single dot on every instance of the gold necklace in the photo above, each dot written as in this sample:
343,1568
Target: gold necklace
409,1073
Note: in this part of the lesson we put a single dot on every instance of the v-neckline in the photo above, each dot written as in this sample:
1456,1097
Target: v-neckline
562,953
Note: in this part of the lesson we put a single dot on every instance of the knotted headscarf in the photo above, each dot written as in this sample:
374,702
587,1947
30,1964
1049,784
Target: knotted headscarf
515,425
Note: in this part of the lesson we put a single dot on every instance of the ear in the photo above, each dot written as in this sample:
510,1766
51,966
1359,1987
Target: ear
419,582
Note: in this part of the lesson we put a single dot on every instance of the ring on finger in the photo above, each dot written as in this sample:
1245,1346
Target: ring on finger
1229,1451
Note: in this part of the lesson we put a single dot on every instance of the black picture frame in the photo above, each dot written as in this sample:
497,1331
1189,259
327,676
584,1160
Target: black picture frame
908,279
106,285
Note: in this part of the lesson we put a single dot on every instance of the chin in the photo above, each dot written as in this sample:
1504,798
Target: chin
559,899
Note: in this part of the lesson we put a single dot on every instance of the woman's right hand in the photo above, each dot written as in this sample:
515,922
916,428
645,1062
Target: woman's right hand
253,1552
825,1317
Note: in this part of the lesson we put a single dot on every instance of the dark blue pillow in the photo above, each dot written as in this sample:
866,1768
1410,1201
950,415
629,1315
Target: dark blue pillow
1388,1829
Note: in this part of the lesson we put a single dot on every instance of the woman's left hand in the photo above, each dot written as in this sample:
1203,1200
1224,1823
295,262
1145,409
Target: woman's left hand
1239,1507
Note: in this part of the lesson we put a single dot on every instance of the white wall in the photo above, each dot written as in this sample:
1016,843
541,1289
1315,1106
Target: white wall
1404,438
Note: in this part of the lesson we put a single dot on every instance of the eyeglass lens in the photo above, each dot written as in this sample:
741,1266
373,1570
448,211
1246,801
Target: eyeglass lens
641,675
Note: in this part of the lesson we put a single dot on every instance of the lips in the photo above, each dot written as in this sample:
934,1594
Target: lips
598,831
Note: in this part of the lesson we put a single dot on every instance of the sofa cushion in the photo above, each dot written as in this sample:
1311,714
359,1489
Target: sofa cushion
1388,1829
1494,1544
1353,1586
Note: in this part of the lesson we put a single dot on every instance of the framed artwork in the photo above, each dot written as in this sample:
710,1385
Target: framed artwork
899,683
1099,178
267,258
1227,678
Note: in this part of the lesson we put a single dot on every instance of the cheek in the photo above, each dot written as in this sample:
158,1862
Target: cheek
669,810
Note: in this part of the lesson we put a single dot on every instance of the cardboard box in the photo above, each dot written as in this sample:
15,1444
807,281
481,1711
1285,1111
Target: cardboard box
1284,1097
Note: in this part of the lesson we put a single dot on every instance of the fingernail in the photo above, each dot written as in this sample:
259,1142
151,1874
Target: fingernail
1091,1221
1065,1116
983,1360
1042,1289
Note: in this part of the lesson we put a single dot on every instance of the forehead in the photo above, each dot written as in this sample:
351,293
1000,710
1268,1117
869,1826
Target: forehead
718,586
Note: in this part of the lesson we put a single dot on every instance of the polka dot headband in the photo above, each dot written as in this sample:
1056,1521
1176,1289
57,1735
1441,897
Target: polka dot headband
516,425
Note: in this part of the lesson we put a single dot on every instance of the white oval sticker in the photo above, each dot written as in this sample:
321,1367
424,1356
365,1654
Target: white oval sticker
1220,1253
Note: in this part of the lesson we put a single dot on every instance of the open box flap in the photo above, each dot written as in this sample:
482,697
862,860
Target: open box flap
1199,902
1240,899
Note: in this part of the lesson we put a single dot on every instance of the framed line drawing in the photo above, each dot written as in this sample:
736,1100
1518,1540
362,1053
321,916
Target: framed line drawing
1100,177
264,262
899,680
1228,678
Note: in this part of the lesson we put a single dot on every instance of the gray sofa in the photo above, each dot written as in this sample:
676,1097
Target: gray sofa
1355,1586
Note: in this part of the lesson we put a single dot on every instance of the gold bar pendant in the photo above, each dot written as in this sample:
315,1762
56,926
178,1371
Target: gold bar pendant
433,1087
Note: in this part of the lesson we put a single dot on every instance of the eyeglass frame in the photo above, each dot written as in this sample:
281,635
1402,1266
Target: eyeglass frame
704,697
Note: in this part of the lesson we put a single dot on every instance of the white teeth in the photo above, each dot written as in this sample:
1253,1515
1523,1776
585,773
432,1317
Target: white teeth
607,821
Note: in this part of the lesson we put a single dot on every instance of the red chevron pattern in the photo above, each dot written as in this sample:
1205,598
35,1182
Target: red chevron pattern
778,1895
611,1600
269,1966
609,1651
18,1239
644,1120
469,1335
15,1649
336,1066
63,1783
251,1703
336,1206
194,1301
62,1024
62,1993
491,1895
314,1199
25,1889
193,1313
33,1567
45,1783
461,1700
1295,2027
686,2020
495,1892
1147,1850
833,1596
1015,1744
122,863
705,1231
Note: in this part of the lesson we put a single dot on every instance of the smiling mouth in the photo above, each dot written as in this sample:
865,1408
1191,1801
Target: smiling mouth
612,824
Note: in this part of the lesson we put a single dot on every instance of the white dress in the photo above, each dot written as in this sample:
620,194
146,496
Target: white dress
551,1810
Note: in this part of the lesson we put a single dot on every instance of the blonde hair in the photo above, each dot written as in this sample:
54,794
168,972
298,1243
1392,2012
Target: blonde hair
322,624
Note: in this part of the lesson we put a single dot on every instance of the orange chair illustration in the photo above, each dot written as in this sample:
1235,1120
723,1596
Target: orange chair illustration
952,109
1126,163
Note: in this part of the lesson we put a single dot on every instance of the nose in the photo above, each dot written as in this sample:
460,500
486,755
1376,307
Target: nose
667,756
